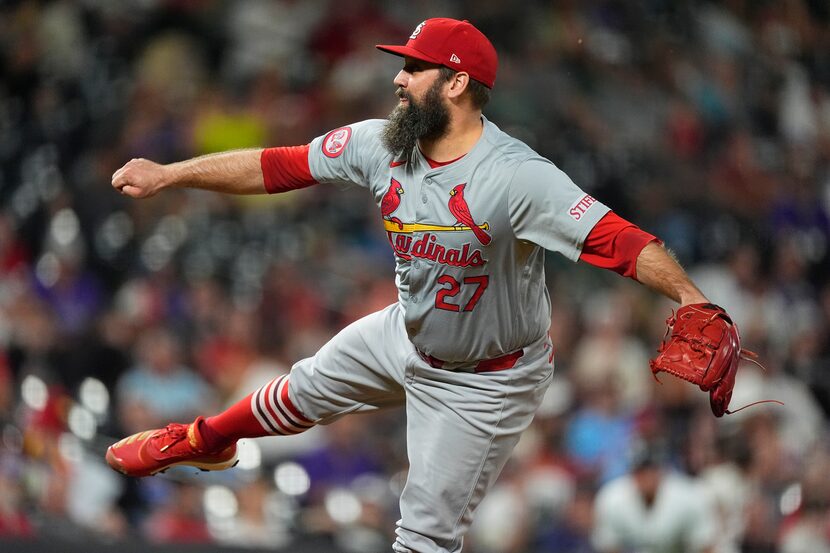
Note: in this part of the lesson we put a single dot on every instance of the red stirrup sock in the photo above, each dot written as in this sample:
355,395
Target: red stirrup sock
266,412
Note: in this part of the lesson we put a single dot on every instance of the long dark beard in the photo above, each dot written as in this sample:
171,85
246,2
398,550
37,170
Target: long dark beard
410,122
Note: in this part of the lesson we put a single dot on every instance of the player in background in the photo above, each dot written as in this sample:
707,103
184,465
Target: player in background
469,212
653,508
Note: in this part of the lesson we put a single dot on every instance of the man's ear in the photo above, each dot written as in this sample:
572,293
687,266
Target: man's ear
458,84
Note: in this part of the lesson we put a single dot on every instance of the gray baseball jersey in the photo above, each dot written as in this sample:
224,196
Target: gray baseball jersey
469,237
469,240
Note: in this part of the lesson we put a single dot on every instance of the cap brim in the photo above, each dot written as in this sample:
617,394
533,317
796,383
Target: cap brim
406,51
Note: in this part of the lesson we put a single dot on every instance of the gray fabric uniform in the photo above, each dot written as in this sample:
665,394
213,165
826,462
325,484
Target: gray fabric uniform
464,296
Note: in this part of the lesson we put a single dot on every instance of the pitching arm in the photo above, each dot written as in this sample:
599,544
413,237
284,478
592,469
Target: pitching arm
249,171
234,172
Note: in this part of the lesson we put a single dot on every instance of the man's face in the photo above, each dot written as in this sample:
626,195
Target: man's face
421,112
647,480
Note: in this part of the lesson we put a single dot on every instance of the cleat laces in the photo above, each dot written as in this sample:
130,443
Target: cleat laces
174,432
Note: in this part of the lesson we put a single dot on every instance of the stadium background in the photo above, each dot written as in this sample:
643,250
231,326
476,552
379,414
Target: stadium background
707,123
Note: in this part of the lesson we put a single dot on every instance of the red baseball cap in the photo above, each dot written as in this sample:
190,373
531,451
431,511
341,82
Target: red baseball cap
451,43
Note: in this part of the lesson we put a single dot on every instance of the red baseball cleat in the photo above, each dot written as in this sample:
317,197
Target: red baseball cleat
154,451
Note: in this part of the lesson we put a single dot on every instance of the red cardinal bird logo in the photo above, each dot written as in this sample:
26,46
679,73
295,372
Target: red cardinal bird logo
461,211
390,202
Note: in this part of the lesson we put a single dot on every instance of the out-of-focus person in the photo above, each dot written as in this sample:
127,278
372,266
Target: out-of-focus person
159,386
653,509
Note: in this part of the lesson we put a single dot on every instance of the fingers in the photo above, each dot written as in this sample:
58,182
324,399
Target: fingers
131,191
120,177
131,179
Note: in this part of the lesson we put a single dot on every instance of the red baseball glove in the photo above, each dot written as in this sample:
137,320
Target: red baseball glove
702,346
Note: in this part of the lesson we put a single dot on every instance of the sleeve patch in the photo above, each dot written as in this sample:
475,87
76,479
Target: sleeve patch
335,142
579,208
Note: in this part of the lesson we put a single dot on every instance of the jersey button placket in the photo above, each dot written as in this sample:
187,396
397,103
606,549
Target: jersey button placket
424,197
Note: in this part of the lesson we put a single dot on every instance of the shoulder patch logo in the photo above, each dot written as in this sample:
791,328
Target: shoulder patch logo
417,30
579,208
335,142
455,59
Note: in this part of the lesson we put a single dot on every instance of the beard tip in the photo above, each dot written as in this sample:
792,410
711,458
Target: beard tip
408,123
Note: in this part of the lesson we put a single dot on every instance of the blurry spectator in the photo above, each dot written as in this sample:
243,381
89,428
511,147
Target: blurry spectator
727,481
770,472
653,510
810,534
599,433
43,423
151,300
224,357
570,533
169,75
798,421
739,286
341,32
340,460
69,289
808,528
797,215
159,387
205,305
685,131
793,295
104,353
260,521
91,496
609,353
739,182
267,34
504,519
180,519
294,311
35,346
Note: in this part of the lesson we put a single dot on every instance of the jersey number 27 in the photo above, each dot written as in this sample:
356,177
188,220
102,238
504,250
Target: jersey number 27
452,287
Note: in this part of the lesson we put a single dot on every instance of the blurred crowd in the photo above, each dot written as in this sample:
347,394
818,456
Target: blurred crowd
705,122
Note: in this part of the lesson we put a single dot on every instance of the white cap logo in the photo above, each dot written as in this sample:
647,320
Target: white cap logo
455,59
417,30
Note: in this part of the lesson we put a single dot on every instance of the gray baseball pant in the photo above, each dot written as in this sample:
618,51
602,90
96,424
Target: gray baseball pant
461,426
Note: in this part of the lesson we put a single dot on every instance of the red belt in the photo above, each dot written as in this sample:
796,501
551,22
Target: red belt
485,366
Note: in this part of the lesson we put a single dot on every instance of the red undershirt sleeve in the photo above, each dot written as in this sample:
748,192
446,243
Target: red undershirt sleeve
286,168
615,244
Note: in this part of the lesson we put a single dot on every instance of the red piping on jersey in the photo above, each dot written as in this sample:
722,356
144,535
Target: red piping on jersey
615,244
436,164
286,168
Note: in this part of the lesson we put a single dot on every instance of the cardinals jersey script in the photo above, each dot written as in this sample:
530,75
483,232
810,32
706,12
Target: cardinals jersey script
469,237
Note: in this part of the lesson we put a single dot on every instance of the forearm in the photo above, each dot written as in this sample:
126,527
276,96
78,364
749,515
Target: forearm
233,172
658,270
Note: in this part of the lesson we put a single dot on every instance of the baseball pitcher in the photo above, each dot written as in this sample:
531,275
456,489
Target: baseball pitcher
469,212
